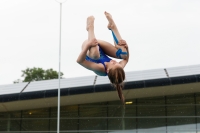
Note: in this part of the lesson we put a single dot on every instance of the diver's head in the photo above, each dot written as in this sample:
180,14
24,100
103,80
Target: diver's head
116,76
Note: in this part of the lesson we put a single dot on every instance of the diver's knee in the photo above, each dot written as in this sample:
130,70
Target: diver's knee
84,43
94,52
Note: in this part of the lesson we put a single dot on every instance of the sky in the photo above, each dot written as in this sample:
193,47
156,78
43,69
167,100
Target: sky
159,33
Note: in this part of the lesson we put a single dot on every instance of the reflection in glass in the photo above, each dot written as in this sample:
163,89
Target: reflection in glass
93,116
115,113
68,118
35,120
130,116
181,112
150,112
197,101
10,121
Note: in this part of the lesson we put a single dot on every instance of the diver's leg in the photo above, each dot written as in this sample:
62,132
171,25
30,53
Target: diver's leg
108,48
116,35
112,26
93,51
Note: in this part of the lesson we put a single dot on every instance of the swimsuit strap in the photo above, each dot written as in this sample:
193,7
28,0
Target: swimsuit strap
104,68
115,38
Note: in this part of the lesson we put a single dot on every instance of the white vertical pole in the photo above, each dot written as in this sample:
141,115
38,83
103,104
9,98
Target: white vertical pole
58,115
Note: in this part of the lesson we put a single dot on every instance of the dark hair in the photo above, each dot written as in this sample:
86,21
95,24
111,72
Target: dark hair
117,77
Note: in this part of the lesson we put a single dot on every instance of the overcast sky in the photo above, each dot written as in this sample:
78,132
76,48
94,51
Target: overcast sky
160,33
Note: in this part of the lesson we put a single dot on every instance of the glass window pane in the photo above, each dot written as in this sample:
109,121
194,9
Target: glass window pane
3,115
68,118
198,111
181,125
130,108
93,124
35,120
181,113
15,121
65,111
151,114
129,124
115,123
115,115
15,125
130,115
66,124
3,125
93,116
10,121
93,110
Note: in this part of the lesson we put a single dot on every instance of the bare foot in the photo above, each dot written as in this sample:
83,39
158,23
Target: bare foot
111,23
90,22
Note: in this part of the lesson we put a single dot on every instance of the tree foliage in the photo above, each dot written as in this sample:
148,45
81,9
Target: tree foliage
37,74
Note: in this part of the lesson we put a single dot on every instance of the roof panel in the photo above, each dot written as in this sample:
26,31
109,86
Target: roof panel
146,74
79,81
102,80
89,80
13,88
183,70
134,75
42,85
64,83
195,69
154,74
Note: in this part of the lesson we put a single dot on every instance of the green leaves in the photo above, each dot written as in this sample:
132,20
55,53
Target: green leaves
37,74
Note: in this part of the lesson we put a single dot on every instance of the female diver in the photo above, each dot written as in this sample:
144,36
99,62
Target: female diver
94,55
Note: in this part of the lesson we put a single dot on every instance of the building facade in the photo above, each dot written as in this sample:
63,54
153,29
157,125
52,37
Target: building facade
154,104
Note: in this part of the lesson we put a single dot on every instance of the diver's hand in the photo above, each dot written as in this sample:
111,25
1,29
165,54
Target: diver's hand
123,43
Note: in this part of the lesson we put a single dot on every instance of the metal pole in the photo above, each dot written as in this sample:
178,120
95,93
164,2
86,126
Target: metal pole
58,113
58,116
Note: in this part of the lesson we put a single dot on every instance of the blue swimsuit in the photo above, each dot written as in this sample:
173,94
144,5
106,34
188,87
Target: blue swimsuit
103,58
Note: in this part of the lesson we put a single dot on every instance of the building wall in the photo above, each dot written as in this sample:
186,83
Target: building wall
167,114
